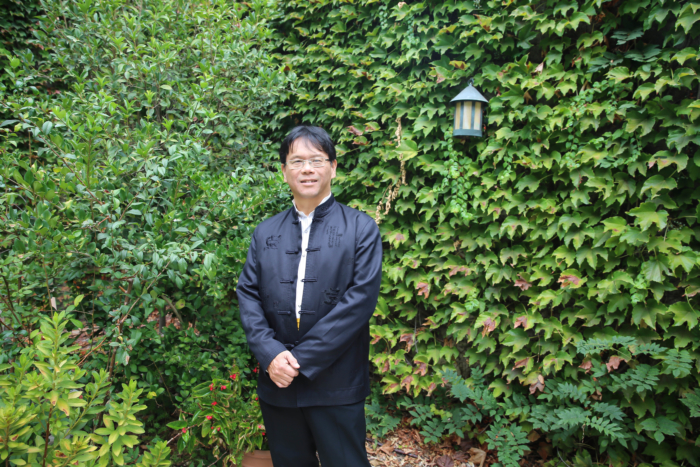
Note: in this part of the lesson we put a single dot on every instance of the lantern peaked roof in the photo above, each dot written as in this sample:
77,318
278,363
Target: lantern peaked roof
469,94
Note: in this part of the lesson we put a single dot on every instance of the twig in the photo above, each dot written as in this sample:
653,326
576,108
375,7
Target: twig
174,438
217,459
561,459
12,307
398,451
46,436
92,350
174,308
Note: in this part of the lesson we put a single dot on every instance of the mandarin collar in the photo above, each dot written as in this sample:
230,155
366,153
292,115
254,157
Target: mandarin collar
320,210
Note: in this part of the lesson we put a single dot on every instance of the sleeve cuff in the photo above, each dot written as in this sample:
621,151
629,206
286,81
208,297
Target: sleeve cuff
277,348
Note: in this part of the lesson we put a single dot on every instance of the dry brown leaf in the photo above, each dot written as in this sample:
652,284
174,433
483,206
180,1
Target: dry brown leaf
568,279
477,456
489,325
538,386
521,321
387,448
423,288
408,339
457,269
523,284
355,131
521,363
614,363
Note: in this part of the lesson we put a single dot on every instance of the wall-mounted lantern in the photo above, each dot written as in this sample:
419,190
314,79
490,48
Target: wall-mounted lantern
469,112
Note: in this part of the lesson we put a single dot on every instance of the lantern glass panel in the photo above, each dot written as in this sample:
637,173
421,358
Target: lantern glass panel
458,114
467,118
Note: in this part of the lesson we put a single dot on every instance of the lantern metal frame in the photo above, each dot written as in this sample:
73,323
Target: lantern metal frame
469,112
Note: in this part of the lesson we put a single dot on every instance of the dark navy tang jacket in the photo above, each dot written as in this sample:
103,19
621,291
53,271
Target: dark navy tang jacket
341,288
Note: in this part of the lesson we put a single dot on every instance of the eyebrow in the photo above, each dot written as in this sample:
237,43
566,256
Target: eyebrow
318,154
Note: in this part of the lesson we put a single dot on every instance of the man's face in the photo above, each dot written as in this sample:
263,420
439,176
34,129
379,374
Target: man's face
308,181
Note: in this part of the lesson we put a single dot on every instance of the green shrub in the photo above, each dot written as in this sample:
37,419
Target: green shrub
573,219
50,409
226,421
133,172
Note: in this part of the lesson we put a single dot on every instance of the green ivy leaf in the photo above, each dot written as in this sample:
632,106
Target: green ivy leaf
647,313
684,314
646,215
656,268
658,183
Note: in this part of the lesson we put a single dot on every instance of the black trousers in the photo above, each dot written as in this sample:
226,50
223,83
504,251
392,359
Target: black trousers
336,432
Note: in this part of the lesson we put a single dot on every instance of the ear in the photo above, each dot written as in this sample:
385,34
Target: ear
334,166
283,168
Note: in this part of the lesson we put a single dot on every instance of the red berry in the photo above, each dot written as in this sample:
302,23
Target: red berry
218,429
213,403
223,388
211,387
184,430
209,417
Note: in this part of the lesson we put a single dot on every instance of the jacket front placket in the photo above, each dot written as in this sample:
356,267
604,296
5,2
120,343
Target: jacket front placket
306,314
294,256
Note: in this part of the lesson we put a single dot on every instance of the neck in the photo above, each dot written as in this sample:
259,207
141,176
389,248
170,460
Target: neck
306,205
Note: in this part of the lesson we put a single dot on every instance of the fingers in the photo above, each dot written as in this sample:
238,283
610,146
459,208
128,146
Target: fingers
288,370
281,380
291,360
282,383
283,369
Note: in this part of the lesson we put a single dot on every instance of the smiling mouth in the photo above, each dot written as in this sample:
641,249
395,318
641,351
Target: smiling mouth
308,182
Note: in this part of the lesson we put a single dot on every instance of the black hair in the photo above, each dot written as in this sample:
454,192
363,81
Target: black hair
315,135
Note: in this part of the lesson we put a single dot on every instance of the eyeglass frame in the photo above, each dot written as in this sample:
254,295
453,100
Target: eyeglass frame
304,161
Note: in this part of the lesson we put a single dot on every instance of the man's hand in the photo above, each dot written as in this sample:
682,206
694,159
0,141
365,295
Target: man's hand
283,369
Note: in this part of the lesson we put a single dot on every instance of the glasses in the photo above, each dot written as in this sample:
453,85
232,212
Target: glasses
297,164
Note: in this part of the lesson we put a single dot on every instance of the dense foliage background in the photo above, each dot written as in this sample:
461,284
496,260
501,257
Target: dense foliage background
554,263
133,172
555,260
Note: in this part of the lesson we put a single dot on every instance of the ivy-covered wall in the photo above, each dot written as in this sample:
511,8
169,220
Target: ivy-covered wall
560,252
18,18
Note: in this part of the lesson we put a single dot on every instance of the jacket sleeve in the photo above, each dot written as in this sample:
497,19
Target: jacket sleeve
332,335
257,328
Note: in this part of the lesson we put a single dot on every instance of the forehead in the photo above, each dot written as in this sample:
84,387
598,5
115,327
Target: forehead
301,147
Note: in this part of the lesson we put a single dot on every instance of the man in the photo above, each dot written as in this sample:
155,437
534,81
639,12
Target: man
307,291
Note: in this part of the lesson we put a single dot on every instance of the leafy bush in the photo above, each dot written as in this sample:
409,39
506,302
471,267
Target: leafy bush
226,421
573,220
49,412
133,172
133,190
379,419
